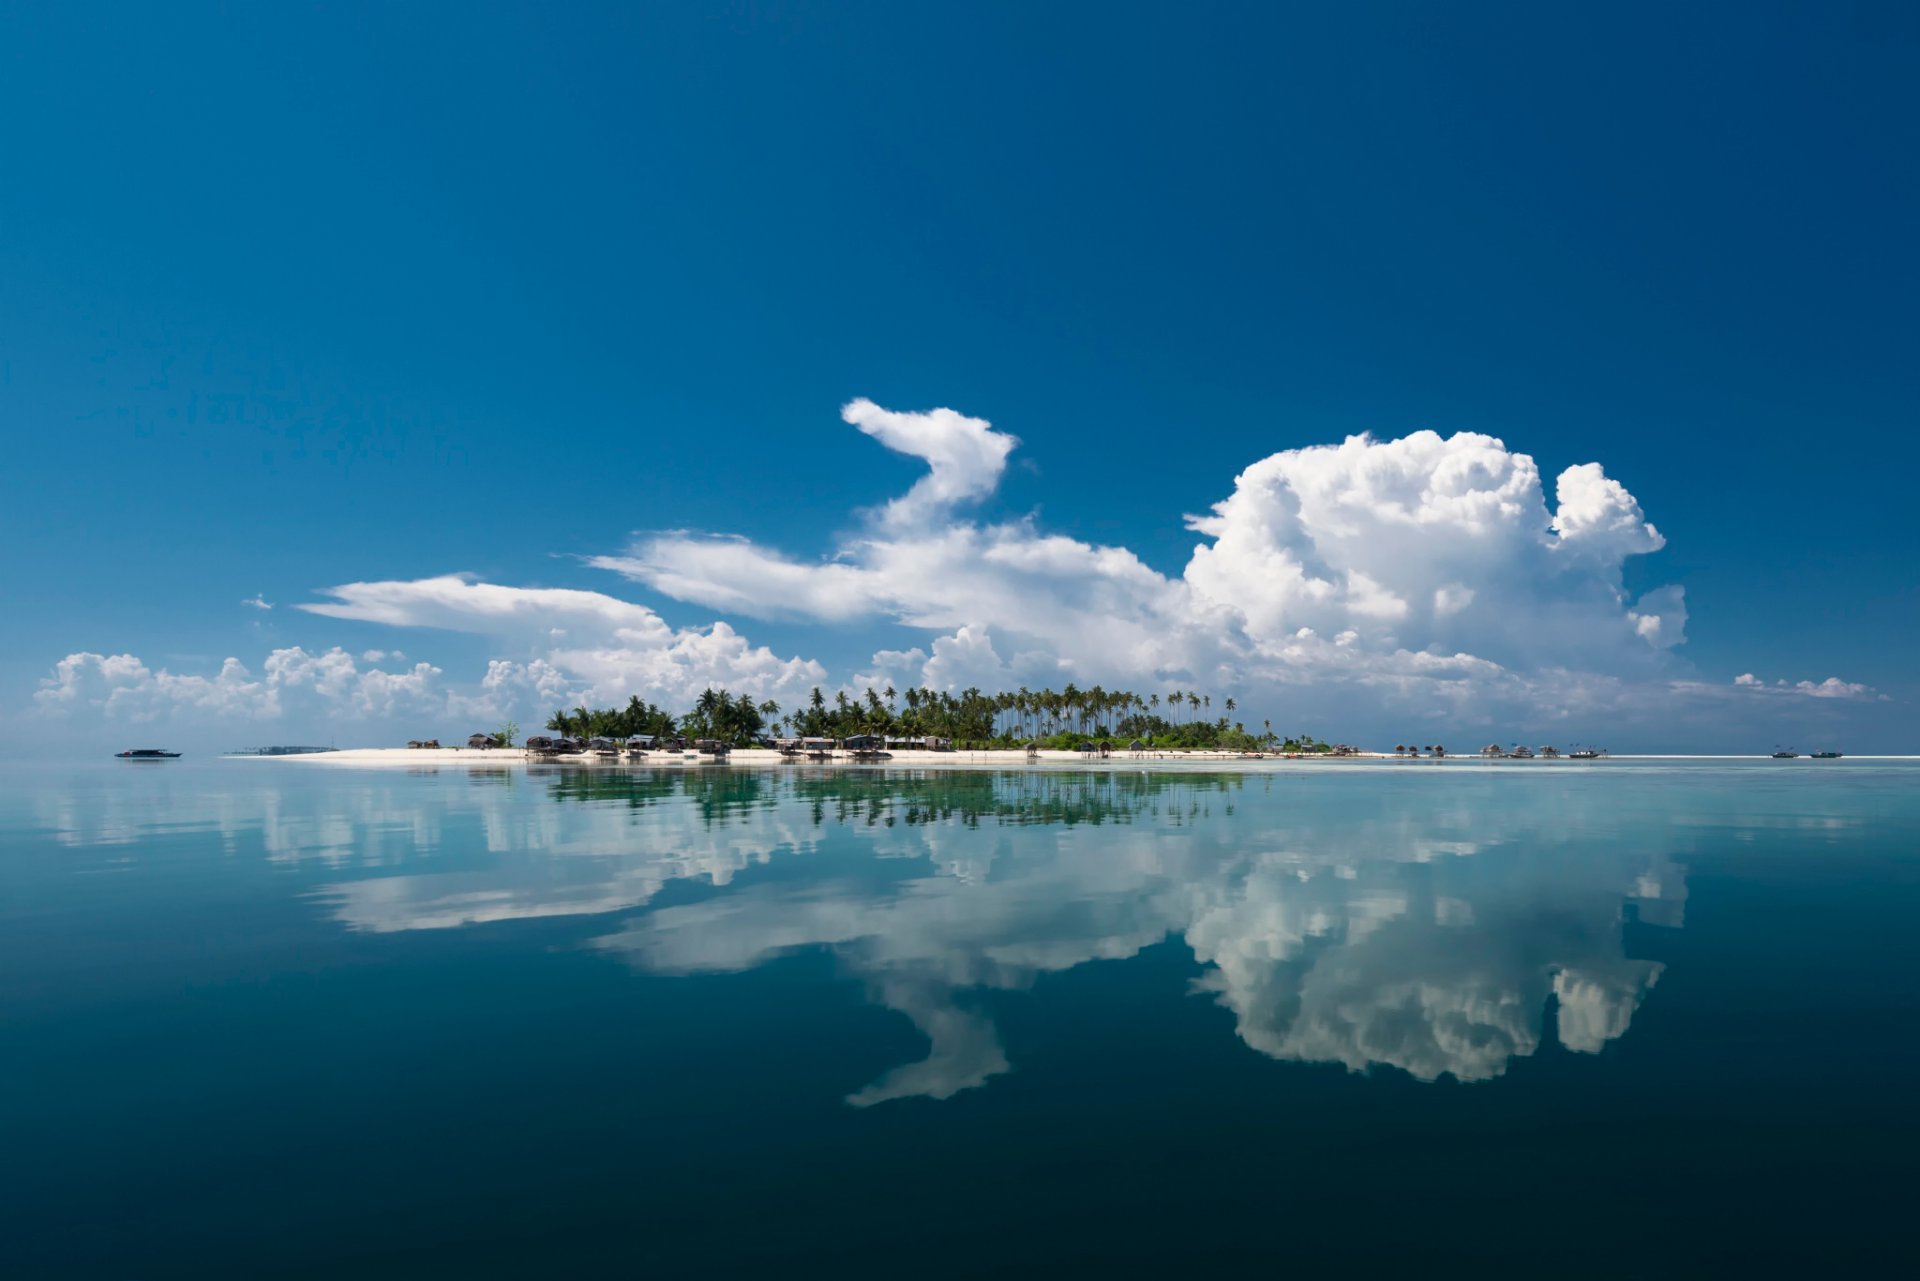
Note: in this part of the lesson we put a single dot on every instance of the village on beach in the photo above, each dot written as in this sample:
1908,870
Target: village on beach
923,726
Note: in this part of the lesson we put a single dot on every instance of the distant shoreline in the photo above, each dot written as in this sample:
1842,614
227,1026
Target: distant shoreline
984,759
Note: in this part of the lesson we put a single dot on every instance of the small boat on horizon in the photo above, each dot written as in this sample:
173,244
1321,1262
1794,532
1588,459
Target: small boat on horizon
146,754
1786,754
1826,756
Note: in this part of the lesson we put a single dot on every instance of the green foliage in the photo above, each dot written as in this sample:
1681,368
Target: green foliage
718,714
612,722
507,733
1060,720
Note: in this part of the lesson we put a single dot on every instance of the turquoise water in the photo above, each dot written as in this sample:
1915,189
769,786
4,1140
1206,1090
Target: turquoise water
278,1018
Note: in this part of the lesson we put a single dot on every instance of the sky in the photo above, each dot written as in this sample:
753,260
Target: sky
1406,372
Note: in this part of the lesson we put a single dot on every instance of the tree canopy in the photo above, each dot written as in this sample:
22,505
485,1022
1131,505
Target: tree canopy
971,718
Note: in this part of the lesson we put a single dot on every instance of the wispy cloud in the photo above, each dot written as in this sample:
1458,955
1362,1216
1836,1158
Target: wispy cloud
1832,687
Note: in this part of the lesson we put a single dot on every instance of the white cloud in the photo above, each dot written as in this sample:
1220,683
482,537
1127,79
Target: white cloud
1422,572
1660,617
122,687
1832,687
1380,582
964,457
461,602
1598,517
607,650
258,601
590,646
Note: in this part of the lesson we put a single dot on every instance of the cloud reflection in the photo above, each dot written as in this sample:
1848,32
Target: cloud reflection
1388,938
1442,927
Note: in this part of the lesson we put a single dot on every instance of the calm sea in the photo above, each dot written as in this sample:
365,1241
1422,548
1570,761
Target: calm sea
268,1018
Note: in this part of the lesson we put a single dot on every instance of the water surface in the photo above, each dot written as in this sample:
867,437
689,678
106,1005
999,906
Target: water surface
282,1018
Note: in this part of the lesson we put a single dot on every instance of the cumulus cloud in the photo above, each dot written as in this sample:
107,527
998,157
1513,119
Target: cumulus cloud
258,601
122,687
1424,571
592,646
572,645
1383,582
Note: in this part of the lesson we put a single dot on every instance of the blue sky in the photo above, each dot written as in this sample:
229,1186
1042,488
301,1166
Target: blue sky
298,297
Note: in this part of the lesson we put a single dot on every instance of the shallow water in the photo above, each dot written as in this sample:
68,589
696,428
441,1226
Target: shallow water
280,1018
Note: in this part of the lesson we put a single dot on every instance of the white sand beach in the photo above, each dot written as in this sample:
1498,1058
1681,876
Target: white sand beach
464,757
496,758
1003,759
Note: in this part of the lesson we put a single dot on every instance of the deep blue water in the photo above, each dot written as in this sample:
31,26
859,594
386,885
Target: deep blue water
265,1018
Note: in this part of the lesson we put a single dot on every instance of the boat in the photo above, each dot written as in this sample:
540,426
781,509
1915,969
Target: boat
146,754
1826,756
1786,755
1521,753
1585,754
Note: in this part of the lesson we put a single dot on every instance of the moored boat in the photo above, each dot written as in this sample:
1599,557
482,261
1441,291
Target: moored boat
1826,756
146,754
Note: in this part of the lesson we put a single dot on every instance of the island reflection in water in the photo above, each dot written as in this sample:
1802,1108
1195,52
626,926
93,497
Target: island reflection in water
1442,927
1441,936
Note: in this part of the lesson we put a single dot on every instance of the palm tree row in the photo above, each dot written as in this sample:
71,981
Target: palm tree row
612,722
969,718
